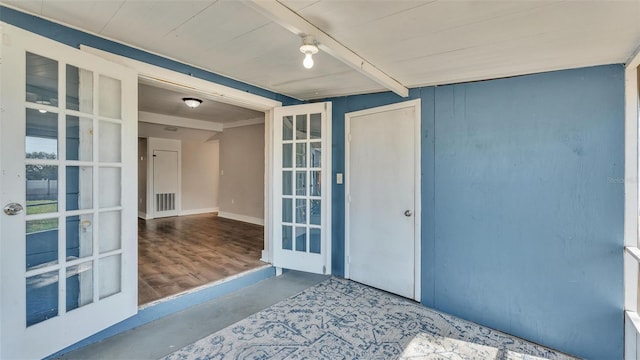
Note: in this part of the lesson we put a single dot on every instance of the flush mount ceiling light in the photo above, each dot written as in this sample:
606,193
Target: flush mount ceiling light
43,102
308,48
192,102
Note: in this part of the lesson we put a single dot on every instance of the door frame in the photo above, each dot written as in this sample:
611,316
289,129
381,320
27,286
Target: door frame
172,80
416,104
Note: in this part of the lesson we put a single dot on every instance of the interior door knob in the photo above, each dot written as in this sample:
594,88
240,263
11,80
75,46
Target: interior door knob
13,209
408,213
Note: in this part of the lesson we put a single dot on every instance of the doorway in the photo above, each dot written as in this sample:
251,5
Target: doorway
383,198
201,192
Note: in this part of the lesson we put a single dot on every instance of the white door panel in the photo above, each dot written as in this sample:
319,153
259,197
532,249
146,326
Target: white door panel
382,198
165,182
68,261
302,187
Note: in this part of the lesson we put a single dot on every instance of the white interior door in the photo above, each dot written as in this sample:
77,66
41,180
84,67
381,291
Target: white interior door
383,197
68,249
301,220
165,183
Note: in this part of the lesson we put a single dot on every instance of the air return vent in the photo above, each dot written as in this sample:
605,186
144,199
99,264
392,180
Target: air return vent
165,202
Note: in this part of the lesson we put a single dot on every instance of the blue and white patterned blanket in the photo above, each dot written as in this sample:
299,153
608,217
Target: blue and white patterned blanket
342,319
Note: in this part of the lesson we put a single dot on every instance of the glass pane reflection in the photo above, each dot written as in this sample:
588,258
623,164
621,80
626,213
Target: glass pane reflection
42,297
301,239
41,140
301,127
41,80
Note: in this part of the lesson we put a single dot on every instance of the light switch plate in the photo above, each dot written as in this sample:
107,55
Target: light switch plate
339,178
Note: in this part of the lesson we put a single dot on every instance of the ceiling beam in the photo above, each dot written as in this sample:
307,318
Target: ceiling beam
298,25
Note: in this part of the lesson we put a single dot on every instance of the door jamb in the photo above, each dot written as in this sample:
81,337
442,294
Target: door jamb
170,79
416,103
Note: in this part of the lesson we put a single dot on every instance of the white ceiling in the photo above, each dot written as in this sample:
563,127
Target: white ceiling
415,42
169,102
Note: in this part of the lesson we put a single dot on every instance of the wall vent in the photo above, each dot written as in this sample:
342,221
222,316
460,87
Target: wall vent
165,202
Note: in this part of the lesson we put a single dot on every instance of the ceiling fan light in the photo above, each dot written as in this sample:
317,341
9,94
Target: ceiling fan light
192,102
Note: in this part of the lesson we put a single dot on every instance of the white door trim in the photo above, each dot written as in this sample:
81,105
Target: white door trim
631,274
417,185
172,80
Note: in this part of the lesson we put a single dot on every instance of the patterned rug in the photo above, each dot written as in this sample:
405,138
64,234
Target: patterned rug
342,319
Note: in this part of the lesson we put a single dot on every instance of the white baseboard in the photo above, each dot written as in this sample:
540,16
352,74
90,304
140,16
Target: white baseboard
143,215
244,218
198,211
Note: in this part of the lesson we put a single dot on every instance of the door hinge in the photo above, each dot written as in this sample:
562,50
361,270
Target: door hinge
349,198
349,137
324,269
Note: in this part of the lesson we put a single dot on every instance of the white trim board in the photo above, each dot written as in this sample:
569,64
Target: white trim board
417,186
239,217
198,211
143,215
631,179
163,119
632,118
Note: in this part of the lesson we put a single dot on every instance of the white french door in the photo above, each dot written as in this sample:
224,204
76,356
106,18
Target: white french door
301,219
68,233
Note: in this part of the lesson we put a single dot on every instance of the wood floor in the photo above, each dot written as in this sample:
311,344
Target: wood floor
180,253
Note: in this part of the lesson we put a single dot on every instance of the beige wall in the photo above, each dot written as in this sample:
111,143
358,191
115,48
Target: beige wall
142,176
242,173
200,168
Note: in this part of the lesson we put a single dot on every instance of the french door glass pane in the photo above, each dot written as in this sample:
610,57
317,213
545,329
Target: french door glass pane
287,128
79,89
110,139
301,183
79,236
79,187
315,183
301,127
79,285
110,97
41,189
110,230
301,155
41,135
287,156
287,210
301,211
110,272
287,183
315,212
79,138
301,239
314,240
110,184
42,297
287,237
41,242
42,80
315,126
316,154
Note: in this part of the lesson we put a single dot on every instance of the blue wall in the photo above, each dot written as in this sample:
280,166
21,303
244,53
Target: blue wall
522,204
522,207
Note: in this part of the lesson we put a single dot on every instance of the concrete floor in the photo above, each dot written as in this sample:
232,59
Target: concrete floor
161,337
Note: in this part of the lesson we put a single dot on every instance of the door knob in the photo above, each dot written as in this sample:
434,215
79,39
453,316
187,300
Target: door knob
408,213
13,209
